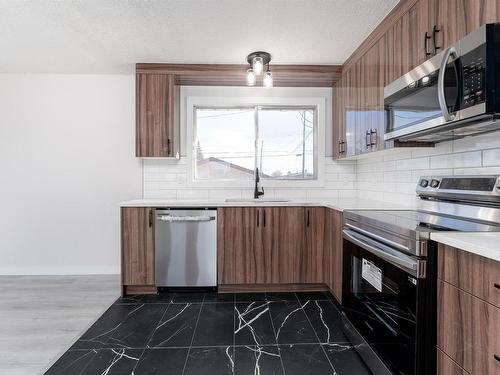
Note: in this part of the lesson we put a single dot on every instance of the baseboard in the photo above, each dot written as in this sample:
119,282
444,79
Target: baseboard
59,271
273,288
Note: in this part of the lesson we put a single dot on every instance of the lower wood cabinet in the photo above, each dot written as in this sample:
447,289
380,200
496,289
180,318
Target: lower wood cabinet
272,245
468,322
138,256
333,251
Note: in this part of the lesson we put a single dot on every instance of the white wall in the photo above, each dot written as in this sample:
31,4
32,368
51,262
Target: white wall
393,177
66,161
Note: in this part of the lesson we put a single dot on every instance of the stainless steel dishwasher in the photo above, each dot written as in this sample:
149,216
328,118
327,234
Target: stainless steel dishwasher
186,248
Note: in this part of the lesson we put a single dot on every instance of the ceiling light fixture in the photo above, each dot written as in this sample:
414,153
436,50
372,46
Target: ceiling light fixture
257,61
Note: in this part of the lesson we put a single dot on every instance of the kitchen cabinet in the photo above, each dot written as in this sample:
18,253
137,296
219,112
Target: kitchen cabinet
313,259
271,245
468,315
453,19
137,236
413,32
157,126
333,252
239,256
289,245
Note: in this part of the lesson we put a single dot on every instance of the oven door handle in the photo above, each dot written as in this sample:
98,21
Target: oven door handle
450,52
413,266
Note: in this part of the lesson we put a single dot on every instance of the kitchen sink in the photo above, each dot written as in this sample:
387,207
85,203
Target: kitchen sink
259,200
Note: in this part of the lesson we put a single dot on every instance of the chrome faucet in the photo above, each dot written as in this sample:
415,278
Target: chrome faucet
258,189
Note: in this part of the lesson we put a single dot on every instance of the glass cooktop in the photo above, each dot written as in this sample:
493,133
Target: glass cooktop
421,221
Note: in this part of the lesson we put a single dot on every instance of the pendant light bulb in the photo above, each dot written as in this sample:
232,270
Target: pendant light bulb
258,65
268,80
250,77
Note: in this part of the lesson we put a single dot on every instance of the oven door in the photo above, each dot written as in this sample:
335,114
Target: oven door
425,98
383,298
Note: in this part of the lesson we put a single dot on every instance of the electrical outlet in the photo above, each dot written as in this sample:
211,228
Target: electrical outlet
181,179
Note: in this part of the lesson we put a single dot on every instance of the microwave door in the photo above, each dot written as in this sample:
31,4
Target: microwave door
426,102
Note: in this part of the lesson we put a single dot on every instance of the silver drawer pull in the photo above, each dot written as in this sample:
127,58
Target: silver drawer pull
176,219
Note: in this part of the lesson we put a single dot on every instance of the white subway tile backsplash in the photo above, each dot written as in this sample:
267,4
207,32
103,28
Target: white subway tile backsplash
409,164
391,177
491,157
166,178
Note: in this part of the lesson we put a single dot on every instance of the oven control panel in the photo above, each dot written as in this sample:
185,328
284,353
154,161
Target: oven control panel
478,187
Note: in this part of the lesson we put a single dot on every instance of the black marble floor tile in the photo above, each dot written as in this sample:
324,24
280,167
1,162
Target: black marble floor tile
176,327
158,298
162,361
308,296
113,362
99,333
72,362
218,297
252,324
215,360
131,299
306,360
252,360
138,327
186,297
215,325
249,297
281,296
326,321
291,324
345,360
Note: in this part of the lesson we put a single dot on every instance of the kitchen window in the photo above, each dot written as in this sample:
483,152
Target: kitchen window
230,142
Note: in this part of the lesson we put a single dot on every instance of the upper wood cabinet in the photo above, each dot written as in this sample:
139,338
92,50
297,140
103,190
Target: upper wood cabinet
157,128
137,233
405,39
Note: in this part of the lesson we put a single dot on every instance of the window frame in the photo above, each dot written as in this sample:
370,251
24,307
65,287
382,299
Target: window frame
225,97
256,147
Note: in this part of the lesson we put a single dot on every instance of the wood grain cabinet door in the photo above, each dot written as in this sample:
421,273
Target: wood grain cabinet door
156,129
468,330
313,259
238,248
137,232
289,236
470,272
336,220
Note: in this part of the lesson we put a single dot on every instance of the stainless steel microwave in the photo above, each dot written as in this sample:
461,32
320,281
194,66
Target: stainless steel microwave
454,94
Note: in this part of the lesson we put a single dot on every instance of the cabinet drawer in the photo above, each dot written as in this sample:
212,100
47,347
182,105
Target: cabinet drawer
468,330
472,273
445,366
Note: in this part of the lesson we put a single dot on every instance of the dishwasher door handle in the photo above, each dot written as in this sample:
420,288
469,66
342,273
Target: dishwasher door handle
177,219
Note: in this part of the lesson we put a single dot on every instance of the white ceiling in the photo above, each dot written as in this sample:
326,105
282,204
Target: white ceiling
109,36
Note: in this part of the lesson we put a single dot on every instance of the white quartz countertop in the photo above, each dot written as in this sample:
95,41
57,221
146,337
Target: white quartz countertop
341,204
483,244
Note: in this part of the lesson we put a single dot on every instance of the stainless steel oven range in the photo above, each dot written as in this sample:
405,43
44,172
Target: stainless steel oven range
389,270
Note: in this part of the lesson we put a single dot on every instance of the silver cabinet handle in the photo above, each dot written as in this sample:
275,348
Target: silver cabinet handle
176,219
450,52
368,139
400,260
373,137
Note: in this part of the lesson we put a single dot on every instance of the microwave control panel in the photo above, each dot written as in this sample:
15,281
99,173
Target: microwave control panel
473,75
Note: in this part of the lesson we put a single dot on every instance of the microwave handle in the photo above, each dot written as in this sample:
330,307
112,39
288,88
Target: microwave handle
410,265
450,52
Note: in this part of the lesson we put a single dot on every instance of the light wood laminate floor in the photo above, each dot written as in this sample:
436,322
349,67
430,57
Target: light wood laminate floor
42,316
